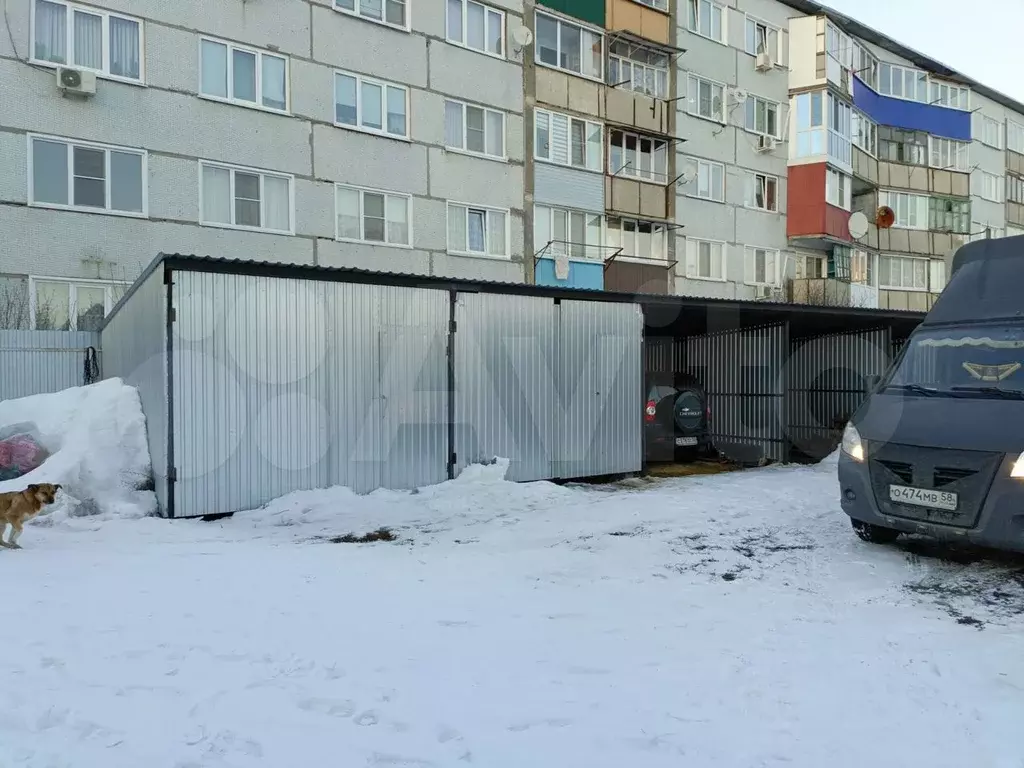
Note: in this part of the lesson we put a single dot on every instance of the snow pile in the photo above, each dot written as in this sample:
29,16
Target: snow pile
96,436
476,493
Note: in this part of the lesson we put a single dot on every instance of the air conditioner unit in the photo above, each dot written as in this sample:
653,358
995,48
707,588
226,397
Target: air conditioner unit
77,82
764,62
765,143
765,291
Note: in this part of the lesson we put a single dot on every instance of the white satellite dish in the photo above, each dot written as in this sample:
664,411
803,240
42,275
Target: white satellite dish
521,37
739,96
858,225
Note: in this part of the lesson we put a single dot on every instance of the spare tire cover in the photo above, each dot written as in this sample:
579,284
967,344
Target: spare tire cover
689,410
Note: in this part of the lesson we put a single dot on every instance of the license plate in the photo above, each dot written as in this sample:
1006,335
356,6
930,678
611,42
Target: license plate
922,497
686,441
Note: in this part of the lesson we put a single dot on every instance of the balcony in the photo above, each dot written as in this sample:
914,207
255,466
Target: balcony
640,19
565,264
638,276
830,292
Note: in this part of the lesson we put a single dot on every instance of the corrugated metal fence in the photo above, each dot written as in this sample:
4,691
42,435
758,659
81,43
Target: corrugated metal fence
36,362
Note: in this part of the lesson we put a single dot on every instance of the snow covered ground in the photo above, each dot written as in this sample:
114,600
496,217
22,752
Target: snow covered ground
729,622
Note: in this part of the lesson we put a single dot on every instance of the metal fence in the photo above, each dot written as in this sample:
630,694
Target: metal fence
37,362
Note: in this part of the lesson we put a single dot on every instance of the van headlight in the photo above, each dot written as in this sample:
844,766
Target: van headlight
853,446
1018,467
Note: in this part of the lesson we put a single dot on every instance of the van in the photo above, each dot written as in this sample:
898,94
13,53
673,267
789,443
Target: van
937,448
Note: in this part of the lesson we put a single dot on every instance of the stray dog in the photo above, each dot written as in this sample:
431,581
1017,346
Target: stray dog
18,506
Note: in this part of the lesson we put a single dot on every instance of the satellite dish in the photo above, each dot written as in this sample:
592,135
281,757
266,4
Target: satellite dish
522,37
885,217
739,95
858,225
687,177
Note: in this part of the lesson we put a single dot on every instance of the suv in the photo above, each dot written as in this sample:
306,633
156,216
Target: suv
677,421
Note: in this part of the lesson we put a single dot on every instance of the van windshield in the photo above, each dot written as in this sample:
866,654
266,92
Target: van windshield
983,360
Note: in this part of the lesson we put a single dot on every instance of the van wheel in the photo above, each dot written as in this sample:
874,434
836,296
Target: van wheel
874,534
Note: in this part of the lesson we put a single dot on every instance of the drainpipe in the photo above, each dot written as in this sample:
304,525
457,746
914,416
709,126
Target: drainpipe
529,102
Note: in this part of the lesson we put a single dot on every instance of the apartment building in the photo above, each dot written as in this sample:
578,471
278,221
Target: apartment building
600,158
382,134
915,147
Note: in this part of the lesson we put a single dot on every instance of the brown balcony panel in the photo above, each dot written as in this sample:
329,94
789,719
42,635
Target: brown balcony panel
631,109
638,19
633,277
636,198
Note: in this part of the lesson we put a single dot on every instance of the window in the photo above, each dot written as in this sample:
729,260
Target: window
661,5
638,156
71,305
762,116
810,267
810,124
864,133
990,132
393,13
903,83
948,154
911,210
837,189
899,146
243,75
372,215
705,179
706,18
1015,137
637,239
761,266
988,186
950,95
840,131
569,47
477,231
566,140
706,98
638,68
763,38
561,232
245,198
468,128
476,26
902,273
946,214
1015,189
108,44
370,105
86,177
865,65
1012,231
705,259
850,265
763,192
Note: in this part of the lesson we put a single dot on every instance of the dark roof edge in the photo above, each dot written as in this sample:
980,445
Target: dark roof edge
859,29
351,275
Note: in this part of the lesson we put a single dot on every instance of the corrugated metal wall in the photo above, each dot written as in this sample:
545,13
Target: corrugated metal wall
554,388
826,384
506,394
136,336
283,385
743,372
600,384
36,362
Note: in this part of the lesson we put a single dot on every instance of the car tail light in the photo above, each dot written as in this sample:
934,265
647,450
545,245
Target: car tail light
650,411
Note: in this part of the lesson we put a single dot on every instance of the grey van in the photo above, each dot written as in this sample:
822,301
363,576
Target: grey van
938,446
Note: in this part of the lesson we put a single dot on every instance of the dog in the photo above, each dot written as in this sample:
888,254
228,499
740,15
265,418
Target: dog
18,506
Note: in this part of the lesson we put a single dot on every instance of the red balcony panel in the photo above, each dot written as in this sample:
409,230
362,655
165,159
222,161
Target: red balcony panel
805,214
837,222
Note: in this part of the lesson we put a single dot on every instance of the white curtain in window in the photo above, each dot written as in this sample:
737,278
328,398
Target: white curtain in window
496,233
216,195
51,38
214,69
348,213
475,233
475,37
88,32
595,147
274,82
453,125
277,201
456,228
124,48
559,139
398,220
495,134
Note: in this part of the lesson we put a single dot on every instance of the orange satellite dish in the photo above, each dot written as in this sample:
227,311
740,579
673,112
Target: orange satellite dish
885,217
